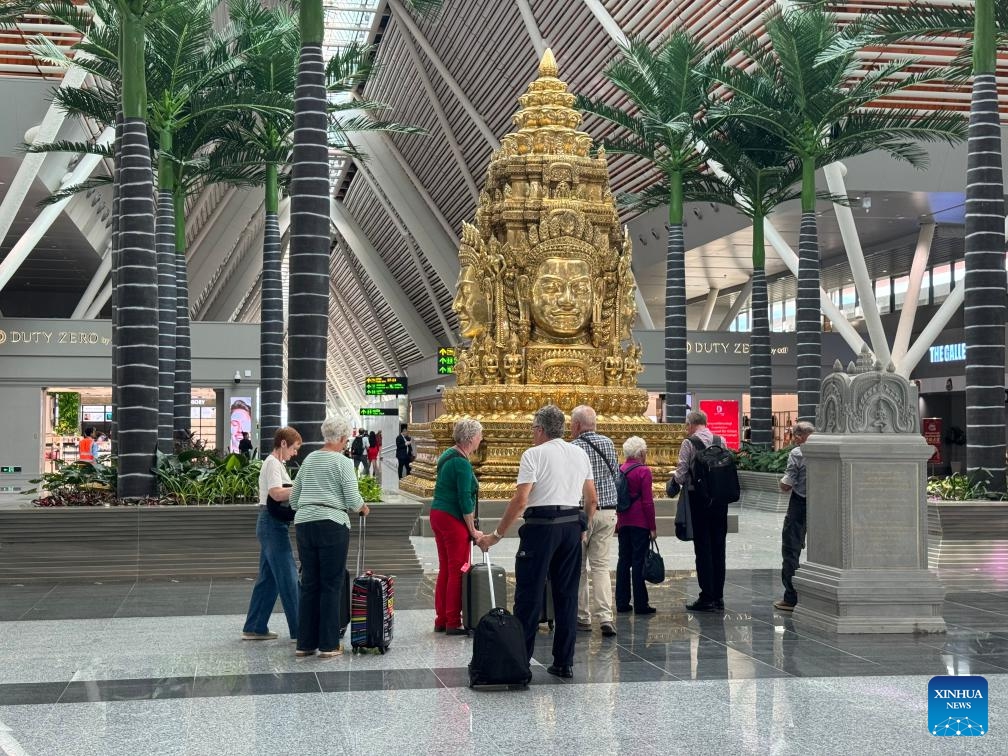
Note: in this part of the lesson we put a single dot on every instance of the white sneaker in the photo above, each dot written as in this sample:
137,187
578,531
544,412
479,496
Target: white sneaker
259,636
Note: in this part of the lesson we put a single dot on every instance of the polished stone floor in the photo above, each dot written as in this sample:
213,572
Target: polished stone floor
157,668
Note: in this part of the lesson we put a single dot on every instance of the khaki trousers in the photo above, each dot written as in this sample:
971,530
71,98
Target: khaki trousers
595,561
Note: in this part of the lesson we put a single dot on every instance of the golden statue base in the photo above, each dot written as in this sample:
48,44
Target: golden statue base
506,415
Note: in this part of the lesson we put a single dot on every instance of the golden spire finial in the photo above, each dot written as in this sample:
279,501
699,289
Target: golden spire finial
548,65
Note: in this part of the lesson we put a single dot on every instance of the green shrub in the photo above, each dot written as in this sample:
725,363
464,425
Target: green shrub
961,487
370,488
760,459
78,484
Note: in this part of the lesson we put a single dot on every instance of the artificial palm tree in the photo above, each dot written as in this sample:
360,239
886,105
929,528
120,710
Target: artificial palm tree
761,172
665,91
984,27
308,296
824,110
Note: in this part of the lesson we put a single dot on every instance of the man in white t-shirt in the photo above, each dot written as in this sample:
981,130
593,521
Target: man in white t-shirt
553,479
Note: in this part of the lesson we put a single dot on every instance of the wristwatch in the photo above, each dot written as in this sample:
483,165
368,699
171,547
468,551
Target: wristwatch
497,535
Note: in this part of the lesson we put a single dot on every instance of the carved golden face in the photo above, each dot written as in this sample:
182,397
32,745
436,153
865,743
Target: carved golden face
562,297
470,305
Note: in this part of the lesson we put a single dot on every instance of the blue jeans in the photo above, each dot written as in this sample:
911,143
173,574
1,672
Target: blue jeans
277,576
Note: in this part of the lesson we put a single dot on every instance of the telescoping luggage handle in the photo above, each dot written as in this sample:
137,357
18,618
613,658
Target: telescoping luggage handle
360,542
493,597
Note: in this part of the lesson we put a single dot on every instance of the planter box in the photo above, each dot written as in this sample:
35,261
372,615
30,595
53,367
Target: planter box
761,491
133,543
967,535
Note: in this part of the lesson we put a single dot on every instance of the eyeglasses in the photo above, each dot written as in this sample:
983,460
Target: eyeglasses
536,427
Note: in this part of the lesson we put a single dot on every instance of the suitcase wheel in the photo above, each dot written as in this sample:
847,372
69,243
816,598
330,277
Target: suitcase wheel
551,623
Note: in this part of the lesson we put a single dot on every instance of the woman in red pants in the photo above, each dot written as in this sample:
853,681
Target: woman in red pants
451,519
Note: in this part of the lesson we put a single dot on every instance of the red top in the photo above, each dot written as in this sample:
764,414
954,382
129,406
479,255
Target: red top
86,449
372,452
642,512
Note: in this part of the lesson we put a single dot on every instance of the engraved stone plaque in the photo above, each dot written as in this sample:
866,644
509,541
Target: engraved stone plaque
883,532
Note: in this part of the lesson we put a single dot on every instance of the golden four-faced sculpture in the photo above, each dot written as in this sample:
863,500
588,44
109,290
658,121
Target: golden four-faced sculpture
546,299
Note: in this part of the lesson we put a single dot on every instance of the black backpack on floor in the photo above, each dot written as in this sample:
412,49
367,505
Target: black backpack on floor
499,654
714,476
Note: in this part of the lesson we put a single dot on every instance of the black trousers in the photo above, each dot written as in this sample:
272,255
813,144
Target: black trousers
404,465
358,462
322,547
792,543
710,531
633,548
554,551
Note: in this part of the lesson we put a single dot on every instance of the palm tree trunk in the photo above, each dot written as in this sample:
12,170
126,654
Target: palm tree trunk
760,371
675,307
271,327
137,296
308,308
808,322
165,241
116,179
984,304
183,351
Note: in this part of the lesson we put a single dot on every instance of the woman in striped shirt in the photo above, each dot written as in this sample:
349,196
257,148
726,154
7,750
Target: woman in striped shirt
325,492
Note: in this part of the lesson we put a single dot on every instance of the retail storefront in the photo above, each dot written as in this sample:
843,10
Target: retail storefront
941,378
42,360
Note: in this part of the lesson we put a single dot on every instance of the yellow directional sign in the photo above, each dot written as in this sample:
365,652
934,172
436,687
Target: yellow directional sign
385,385
446,361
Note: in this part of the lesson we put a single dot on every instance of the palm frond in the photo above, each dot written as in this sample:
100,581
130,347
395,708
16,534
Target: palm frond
98,105
66,192
84,148
349,67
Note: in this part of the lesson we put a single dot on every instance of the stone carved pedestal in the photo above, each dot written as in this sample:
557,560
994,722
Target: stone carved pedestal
866,559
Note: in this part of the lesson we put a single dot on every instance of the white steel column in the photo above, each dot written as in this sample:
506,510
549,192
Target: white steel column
931,332
23,247
96,306
608,23
855,255
840,323
96,281
442,117
712,297
920,262
643,313
736,307
403,17
382,277
32,162
535,36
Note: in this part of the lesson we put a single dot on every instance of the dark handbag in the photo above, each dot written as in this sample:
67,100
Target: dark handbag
683,519
654,565
281,510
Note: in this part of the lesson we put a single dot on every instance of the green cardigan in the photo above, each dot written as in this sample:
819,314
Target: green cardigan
456,487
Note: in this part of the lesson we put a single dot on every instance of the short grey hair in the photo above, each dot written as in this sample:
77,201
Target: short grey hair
635,447
466,430
696,417
334,429
584,416
551,419
802,428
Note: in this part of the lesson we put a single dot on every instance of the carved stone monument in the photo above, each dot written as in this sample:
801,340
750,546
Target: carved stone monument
546,298
867,563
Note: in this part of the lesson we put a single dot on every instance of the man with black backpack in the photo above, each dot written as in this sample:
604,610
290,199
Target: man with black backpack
595,551
358,450
709,481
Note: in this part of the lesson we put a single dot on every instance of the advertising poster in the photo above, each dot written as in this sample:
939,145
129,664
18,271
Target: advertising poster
931,429
723,419
241,419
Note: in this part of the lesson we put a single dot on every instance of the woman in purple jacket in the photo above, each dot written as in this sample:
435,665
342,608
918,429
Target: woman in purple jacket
635,528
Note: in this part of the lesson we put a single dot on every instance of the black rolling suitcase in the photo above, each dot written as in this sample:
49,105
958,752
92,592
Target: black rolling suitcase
499,656
371,605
